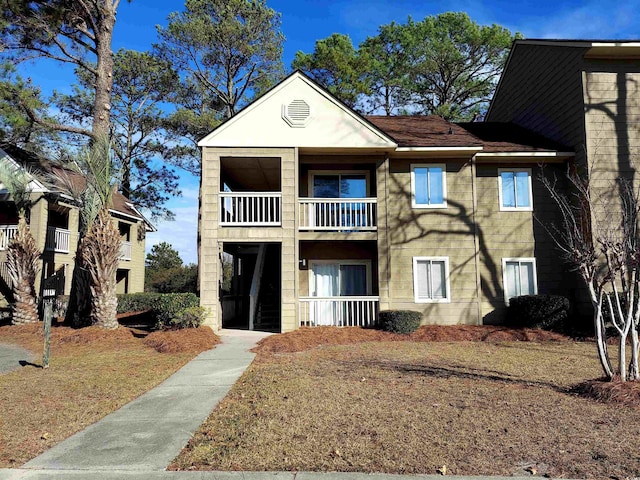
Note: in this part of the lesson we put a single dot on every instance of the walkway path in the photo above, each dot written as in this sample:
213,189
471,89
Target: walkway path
12,355
146,434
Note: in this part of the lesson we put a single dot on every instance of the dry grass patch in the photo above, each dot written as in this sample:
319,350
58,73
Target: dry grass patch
408,407
92,373
307,338
194,340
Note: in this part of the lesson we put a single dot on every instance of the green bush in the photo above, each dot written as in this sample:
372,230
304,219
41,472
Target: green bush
548,312
170,306
400,321
137,302
167,309
191,317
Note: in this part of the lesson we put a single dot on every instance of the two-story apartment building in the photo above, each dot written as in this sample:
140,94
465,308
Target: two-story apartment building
328,217
584,94
54,220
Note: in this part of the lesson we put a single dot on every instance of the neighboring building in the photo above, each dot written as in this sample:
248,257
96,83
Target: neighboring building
584,94
54,223
328,217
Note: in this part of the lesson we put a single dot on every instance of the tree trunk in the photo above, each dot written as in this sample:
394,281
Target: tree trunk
622,360
601,340
22,262
101,125
634,374
101,254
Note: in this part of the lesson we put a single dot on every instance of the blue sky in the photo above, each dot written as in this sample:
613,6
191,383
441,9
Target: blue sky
305,21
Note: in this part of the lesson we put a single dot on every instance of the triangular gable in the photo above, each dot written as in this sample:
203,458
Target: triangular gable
34,185
298,113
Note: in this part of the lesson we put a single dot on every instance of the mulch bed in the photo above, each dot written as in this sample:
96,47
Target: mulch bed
616,392
194,340
307,338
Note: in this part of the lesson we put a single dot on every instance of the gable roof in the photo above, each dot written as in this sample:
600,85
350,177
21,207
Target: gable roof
331,123
40,165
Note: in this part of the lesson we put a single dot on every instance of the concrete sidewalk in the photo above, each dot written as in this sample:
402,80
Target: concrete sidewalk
148,433
12,355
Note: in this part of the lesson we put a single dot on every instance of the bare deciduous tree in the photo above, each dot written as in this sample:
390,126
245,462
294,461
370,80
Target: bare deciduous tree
599,237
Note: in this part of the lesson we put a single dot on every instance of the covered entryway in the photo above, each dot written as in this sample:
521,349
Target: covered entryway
251,292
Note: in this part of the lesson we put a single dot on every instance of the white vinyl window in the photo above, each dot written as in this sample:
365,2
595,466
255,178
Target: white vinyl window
514,189
431,279
519,277
428,186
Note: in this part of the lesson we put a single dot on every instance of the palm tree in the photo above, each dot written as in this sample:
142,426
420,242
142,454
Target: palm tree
22,252
98,251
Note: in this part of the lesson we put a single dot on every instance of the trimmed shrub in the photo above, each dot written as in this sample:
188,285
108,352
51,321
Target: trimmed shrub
190,317
137,302
167,309
400,321
548,312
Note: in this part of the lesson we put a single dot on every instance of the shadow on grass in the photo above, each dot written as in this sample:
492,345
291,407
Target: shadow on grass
463,373
24,363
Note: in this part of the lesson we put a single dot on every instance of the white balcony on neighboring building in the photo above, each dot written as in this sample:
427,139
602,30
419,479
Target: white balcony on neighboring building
7,232
257,209
338,311
125,250
57,240
338,214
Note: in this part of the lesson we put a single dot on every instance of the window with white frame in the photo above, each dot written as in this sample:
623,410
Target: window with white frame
519,277
514,189
428,186
431,279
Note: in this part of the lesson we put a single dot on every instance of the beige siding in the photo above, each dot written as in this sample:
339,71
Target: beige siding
213,235
447,232
509,234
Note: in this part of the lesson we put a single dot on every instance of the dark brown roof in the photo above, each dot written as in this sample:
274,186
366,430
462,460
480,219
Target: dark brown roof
509,137
433,131
424,131
41,165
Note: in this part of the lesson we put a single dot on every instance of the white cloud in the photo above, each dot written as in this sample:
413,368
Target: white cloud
593,19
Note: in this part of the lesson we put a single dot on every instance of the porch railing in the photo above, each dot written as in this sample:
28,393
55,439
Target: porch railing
4,274
57,240
258,209
7,232
341,214
125,250
338,311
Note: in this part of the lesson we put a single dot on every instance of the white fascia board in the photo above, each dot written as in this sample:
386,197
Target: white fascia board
614,43
525,154
438,149
206,141
35,184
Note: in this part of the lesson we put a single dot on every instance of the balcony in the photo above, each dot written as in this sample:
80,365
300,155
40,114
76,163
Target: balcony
7,232
338,214
256,209
125,251
57,240
338,311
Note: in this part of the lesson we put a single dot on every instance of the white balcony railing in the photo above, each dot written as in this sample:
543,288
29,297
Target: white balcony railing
338,311
4,274
57,240
7,232
338,214
125,250
260,209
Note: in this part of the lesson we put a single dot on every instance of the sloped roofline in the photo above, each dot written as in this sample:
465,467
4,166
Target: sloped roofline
316,86
549,42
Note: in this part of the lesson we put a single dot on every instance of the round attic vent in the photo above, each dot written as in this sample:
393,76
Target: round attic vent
297,113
